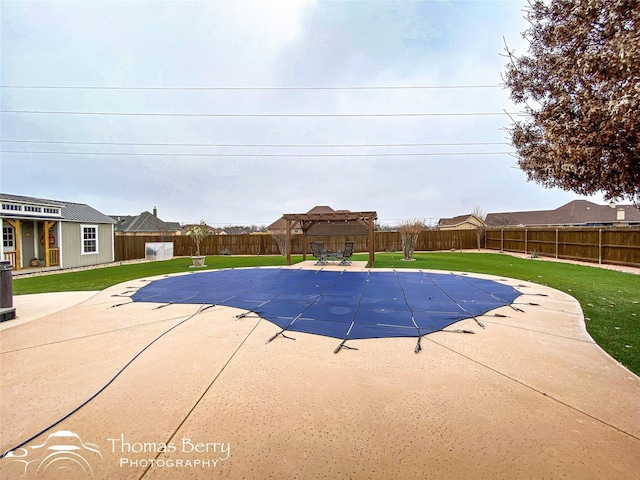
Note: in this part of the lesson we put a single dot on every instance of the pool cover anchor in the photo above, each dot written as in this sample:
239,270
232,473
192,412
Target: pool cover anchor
459,330
162,306
281,334
120,304
479,322
418,348
128,290
342,345
346,337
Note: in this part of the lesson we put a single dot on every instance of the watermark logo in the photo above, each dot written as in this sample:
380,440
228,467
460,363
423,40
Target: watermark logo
188,453
64,455
62,451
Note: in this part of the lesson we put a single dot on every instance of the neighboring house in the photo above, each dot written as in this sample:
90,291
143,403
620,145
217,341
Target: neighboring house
461,222
144,224
280,225
352,227
578,213
53,233
212,230
575,213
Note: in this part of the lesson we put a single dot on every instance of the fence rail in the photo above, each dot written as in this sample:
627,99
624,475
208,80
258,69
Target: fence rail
591,244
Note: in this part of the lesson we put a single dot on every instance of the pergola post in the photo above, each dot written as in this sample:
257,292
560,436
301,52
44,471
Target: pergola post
304,245
372,247
287,242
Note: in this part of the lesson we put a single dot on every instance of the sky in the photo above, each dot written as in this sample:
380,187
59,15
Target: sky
238,112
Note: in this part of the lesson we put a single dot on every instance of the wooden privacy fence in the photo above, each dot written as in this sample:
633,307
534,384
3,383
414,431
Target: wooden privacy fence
619,246
590,244
133,247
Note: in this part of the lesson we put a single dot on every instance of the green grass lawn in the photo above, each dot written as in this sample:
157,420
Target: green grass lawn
608,298
101,278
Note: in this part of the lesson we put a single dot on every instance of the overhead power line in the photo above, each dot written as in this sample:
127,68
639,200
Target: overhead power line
278,145
370,87
259,154
303,115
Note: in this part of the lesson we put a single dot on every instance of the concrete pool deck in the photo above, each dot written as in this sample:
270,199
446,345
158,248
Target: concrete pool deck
530,396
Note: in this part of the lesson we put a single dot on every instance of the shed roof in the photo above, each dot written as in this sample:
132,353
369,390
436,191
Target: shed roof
69,211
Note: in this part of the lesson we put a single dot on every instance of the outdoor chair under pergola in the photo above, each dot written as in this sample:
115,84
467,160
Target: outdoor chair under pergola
318,252
345,254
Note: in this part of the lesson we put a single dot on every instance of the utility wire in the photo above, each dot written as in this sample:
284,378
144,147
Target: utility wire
387,87
258,115
261,154
279,145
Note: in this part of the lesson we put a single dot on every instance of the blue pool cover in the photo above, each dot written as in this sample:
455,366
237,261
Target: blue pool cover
340,304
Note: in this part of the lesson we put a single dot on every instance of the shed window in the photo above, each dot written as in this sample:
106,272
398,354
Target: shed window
11,207
7,237
89,239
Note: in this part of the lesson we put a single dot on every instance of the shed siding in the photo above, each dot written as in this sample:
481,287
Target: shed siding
72,245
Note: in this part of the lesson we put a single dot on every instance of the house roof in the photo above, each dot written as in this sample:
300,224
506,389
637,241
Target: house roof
281,223
69,211
576,212
145,222
212,230
459,220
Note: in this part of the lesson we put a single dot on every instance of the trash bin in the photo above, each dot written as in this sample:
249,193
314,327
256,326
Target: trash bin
7,312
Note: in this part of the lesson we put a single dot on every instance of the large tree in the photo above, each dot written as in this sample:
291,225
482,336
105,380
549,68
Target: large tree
579,83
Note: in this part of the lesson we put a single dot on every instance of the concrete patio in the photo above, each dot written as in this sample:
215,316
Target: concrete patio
530,396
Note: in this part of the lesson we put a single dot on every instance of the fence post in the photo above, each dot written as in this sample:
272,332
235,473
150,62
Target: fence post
599,246
556,243
502,239
526,231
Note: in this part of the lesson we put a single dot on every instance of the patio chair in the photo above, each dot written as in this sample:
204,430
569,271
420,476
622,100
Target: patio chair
318,252
345,254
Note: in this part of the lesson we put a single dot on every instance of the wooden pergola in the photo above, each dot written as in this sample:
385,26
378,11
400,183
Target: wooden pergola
307,220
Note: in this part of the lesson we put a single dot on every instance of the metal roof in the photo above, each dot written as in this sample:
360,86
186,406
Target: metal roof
69,211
